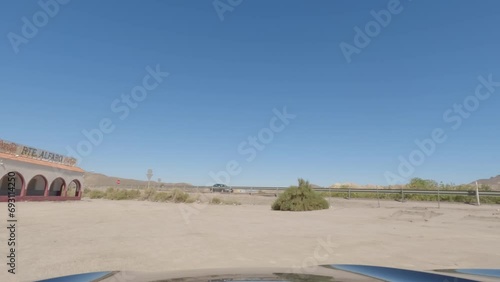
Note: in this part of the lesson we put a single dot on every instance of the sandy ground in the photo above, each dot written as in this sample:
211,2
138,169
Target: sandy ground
92,235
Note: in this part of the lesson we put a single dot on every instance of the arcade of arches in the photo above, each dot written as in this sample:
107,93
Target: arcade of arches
38,186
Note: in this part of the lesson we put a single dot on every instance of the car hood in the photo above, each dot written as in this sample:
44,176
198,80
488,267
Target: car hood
324,273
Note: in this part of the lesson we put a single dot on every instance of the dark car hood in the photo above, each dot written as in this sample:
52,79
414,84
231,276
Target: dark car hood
324,273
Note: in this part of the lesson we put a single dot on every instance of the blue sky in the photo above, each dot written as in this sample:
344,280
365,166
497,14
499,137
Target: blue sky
353,120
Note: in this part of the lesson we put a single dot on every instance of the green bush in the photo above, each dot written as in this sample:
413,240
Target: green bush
422,184
490,200
301,198
485,187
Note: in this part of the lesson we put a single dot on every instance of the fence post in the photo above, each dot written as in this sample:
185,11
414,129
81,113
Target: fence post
330,194
349,195
439,195
402,195
251,197
477,194
378,198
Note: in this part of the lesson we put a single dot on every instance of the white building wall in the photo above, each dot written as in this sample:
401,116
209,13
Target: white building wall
28,171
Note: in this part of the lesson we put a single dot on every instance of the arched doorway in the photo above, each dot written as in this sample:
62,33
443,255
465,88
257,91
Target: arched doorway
36,186
13,178
57,187
73,188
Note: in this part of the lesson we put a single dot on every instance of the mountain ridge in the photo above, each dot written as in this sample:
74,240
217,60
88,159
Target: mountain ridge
93,179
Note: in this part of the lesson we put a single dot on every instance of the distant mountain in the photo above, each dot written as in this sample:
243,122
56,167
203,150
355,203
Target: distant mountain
494,182
345,185
100,180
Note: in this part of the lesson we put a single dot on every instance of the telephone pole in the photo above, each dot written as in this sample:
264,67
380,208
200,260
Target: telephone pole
149,175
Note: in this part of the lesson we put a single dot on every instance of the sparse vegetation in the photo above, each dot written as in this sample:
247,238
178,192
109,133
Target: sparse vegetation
161,197
179,196
219,201
95,194
428,184
191,199
301,198
148,194
121,194
424,184
176,195
71,192
215,201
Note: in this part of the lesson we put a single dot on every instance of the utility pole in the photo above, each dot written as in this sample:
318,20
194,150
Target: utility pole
149,175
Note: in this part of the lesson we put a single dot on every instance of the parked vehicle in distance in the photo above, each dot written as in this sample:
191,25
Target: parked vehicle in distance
223,188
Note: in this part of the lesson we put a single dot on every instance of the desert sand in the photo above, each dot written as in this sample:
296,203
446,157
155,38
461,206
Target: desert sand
61,238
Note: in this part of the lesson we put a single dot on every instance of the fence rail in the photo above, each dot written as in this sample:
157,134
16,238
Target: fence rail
405,191
253,189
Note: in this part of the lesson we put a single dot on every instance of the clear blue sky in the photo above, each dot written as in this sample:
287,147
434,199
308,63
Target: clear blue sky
353,120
